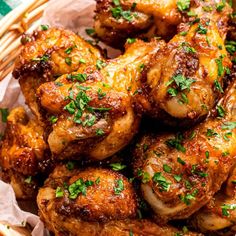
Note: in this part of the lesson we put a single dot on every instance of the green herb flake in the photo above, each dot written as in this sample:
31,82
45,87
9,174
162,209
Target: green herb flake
183,5
99,132
4,113
68,61
59,192
70,165
131,40
167,168
28,180
161,181
229,125
119,186
44,27
117,166
220,111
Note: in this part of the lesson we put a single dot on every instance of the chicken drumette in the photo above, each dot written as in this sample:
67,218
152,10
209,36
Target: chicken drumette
93,202
181,172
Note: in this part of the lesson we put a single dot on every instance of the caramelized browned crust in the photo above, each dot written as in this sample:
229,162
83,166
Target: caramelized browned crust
47,54
185,78
181,172
95,108
23,152
219,215
102,210
140,19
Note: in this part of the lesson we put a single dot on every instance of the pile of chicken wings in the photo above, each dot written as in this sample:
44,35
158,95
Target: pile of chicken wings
142,144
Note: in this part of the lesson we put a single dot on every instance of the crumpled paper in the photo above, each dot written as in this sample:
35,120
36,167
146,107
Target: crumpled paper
75,15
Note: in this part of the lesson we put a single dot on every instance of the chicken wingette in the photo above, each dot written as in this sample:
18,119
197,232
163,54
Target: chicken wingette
23,153
181,172
47,54
95,111
94,202
219,215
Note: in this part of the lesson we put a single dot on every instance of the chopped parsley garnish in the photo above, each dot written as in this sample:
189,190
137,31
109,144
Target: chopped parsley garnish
70,165
117,166
167,168
226,207
161,181
187,48
188,197
53,119
44,58
4,113
220,6
201,29
100,64
230,47
118,12
82,61
176,143
131,40
195,170
101,94
69,50
183,33
59,192
218,86
90,31
119,186
68,61
211,132
173,92
145,177
227,135
97,181
178,178
28,180
44,27
183,5
79,186
229,125
79,77
99,132
220,111
181,81
219,62
182,162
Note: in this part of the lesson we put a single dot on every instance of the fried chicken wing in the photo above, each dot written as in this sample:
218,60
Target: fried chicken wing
47,54
219,214
185,78
94,108
115,21
93,202
23,152
181,172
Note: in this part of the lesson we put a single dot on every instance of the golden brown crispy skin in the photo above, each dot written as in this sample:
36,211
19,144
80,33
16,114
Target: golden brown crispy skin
95,107
48,54
181,172
116,21
23,152
149,17
185,78
219,215
102,210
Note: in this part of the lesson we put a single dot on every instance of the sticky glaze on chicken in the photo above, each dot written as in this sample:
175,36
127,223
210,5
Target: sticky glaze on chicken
46,55
94,109
181,172
23,153
93,202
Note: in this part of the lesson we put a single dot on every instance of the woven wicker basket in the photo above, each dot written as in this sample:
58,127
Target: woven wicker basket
13,25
